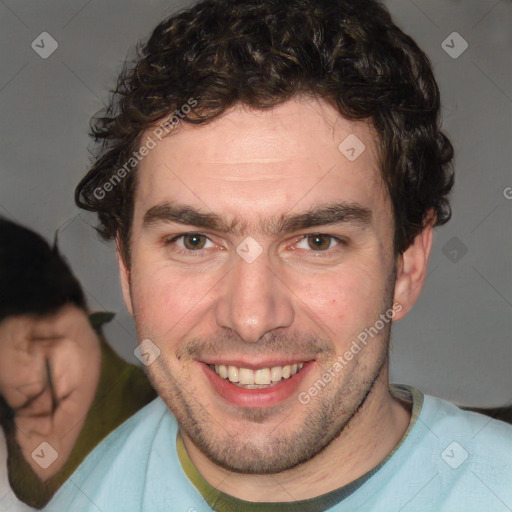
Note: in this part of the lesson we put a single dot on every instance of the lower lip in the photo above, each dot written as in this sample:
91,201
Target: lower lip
257,398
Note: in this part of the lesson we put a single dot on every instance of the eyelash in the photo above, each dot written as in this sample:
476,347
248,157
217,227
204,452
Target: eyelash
174,239
179,250
339,242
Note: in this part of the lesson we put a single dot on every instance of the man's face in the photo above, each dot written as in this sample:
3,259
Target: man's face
317,270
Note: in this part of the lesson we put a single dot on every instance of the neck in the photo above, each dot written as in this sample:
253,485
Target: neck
369,437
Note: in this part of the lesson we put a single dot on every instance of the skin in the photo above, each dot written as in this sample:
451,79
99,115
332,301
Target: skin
68,342
292,302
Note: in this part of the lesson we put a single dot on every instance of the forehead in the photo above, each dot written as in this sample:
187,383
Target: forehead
251,162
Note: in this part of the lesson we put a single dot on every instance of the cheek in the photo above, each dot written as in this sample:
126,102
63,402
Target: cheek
344,302
165,301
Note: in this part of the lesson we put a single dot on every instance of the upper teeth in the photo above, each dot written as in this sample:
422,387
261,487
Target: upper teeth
264,376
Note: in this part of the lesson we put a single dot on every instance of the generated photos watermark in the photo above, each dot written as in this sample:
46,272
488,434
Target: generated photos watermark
362,339
157,134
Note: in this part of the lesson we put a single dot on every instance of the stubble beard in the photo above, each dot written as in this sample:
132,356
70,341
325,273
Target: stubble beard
326,418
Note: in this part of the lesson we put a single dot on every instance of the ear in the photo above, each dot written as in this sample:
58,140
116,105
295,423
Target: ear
124,275
412,267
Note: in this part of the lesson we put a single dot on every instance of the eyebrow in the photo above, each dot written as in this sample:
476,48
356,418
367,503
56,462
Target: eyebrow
321,215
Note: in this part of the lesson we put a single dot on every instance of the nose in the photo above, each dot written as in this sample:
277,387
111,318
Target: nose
254,300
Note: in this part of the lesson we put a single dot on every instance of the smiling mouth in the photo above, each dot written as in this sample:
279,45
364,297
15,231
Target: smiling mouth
256,379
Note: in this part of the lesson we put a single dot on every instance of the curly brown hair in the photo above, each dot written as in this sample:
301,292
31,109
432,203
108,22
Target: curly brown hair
262,53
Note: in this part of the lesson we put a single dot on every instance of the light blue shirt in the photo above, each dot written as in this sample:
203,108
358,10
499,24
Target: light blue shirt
450,461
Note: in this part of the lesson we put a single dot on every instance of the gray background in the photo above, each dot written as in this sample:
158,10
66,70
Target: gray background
456,341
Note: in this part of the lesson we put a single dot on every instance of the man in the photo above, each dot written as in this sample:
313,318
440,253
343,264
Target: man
62,388
272,173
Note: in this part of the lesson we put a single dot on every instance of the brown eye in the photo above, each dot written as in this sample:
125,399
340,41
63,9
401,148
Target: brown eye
194,241
319,242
